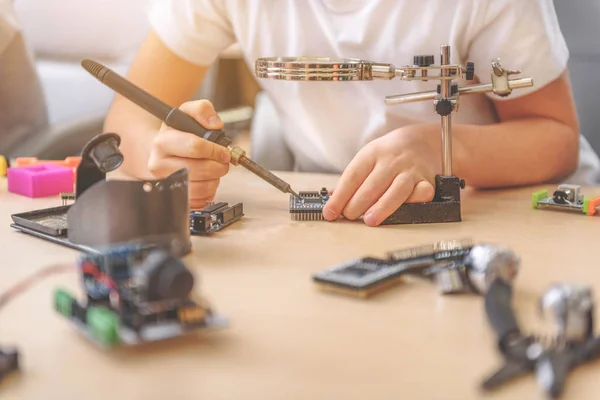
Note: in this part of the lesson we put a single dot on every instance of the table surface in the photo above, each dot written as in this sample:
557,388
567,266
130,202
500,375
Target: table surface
286,338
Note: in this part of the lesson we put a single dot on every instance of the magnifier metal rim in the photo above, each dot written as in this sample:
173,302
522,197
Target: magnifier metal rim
310,68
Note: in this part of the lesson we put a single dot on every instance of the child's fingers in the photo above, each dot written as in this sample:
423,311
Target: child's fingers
400,189
204,189
204,112
368,193
171,142
352,178
199,170
423,193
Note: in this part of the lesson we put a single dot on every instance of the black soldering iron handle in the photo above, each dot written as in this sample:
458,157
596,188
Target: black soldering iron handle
173,117
498,307
183,122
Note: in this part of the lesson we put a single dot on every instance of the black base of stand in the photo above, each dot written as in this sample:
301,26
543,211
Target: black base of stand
445,206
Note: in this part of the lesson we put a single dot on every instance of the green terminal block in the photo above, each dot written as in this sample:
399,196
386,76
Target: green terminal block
103,325
63,303
537,196
586,204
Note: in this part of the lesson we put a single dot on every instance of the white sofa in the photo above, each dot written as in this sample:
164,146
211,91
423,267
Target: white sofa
63,32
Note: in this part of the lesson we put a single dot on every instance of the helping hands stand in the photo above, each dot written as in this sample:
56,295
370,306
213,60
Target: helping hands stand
445,206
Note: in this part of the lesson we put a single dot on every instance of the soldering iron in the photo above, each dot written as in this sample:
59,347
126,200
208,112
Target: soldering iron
177,119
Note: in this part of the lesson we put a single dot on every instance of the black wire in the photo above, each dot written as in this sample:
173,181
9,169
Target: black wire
498,307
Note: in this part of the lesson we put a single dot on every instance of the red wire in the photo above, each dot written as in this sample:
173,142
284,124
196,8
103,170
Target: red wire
87,267
21,286
92,269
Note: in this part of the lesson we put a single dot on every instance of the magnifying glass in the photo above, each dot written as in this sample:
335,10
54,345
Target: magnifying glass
352,69
322,69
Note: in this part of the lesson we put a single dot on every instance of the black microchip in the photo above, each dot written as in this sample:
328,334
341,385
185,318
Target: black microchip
361,277
308,206
215,217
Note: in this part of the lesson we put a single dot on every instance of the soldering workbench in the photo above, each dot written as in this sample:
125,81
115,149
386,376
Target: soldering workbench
312,309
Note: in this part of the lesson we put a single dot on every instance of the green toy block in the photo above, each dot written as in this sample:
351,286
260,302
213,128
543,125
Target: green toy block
103,325
537,196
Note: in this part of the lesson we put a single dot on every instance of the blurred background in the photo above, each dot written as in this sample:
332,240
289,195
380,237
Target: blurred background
77,103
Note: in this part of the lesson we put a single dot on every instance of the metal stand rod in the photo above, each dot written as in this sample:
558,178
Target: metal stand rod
470,89
447,119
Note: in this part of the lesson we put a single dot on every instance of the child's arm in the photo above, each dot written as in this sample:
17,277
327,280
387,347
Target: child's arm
153,150
535,141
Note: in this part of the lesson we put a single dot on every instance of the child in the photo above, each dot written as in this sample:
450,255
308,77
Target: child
387,155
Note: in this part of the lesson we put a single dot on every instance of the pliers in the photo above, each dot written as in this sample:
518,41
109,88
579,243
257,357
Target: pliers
549,359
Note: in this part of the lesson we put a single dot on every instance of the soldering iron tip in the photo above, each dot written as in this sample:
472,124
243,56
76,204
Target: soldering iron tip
294,193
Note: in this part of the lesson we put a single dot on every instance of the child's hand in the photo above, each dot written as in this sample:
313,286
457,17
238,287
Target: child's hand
396,168
206,162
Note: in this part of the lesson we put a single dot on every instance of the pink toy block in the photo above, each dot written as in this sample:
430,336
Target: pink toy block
41,180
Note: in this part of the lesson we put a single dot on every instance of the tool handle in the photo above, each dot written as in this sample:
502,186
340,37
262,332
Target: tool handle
498,307
183,122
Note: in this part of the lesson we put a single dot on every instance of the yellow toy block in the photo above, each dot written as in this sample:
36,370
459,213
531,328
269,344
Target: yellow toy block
3,166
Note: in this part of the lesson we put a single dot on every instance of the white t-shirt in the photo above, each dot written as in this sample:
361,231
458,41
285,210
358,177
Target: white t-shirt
325,124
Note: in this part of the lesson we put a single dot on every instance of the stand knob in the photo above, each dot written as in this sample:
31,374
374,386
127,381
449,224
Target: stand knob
470,71
423,61
444,107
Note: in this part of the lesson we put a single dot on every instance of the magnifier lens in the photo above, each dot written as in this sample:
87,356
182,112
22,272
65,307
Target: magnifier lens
310,68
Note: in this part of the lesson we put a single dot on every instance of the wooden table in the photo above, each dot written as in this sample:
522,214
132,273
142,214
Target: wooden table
287,340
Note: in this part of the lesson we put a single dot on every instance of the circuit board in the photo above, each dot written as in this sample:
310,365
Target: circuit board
155,292
366,276
214,218
91,322
361,277
444,250
158,332
51,223
567,197
308,206
67,197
